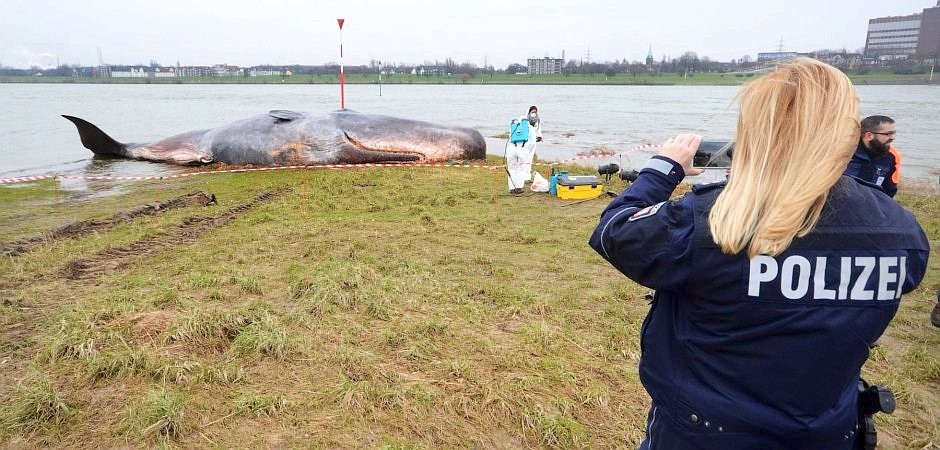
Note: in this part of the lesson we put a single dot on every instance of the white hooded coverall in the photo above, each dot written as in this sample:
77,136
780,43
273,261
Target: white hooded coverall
519,157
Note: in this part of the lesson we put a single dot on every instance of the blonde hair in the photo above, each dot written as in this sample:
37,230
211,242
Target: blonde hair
797,128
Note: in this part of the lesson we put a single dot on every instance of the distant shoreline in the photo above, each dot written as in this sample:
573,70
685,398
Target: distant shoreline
706,79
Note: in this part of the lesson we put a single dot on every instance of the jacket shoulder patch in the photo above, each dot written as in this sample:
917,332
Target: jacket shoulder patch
646,212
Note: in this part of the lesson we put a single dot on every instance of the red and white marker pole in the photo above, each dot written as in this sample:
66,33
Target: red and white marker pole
342,77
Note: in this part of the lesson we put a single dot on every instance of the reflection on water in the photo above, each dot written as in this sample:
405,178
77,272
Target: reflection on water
102,166
110,170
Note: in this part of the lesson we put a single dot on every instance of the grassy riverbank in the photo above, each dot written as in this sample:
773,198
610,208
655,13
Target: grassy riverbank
393,308
666,79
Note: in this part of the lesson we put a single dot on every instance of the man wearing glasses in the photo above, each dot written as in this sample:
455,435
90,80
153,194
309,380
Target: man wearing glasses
875,160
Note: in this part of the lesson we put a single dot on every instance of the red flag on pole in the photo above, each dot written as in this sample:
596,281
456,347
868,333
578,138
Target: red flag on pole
342,77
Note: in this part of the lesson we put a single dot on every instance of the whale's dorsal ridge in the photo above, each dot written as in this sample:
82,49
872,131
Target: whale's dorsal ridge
284,115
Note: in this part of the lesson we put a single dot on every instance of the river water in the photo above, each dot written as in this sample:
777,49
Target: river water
35,140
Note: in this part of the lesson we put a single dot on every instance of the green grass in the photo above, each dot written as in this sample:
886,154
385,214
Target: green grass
36,408
160,413
392,308
261,405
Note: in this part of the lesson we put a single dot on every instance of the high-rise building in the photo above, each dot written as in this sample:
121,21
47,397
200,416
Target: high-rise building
928,42
898,37
892,37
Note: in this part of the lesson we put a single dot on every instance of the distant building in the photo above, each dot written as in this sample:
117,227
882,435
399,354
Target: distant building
260,71
649,60
775,56
195,71
164,72
428,71
901,37
544,66
225,70
130,72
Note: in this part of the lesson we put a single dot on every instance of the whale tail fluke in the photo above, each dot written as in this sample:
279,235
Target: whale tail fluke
96,140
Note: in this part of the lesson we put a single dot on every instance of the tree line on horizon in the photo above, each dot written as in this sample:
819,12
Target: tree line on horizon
688,63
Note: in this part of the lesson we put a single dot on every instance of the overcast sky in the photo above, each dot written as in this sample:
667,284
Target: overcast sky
245,33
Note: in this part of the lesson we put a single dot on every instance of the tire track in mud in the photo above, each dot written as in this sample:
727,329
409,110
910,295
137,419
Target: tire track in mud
185,233
85,227
14,336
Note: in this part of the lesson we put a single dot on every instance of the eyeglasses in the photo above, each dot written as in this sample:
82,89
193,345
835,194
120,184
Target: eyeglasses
890,133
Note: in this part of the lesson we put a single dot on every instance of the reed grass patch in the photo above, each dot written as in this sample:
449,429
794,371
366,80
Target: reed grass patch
556,430
118,363
161,413
261,405
265,336
36,406
203,280
73,341
201,326
923,367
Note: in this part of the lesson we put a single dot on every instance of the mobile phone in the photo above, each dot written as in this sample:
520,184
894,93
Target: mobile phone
713,154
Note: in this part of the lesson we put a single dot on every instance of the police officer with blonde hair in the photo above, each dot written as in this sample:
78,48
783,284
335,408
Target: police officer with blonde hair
771,286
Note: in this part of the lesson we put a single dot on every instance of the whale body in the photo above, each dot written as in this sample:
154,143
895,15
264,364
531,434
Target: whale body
296,138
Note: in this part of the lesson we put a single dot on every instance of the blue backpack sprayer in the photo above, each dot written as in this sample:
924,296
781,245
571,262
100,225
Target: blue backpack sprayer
518,136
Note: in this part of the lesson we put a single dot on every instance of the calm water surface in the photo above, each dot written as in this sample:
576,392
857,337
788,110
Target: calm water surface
35,140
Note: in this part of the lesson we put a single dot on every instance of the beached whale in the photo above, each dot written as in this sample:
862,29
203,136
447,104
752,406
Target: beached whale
295,138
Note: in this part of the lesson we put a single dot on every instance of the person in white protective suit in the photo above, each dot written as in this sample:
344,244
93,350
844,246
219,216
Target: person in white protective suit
519,155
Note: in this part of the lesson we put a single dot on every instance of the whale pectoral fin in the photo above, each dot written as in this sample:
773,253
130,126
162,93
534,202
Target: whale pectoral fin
283,115
184,154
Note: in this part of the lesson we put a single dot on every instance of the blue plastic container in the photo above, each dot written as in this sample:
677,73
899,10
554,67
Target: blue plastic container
553,181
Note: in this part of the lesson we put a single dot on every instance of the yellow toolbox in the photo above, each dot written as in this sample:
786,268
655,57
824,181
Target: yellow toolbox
578,187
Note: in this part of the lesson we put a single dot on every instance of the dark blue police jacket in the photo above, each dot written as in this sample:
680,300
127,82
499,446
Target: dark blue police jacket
875,169
766,352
